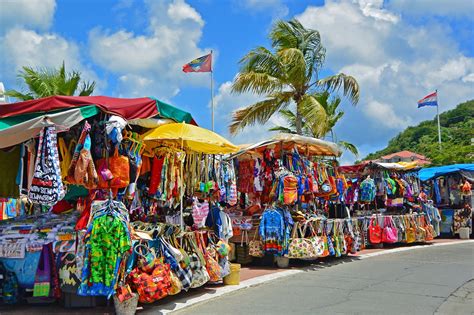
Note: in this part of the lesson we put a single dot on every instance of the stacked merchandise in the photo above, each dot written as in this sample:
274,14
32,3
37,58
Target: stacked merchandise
100,211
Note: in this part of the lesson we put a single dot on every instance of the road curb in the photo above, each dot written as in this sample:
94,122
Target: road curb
187,302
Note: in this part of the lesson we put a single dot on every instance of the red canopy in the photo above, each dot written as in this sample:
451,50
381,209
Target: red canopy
128,108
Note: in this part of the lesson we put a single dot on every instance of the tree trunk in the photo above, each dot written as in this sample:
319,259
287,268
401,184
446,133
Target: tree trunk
299,120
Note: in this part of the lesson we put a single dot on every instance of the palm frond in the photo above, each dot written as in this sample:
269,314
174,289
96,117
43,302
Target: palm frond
348,83
315,116
87,88
262,60
19,95
294,64
258,83
349,147
259,112
282,129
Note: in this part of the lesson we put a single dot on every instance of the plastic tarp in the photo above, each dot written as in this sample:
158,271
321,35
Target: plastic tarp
305,145
14,130
433,172
190,137
127,108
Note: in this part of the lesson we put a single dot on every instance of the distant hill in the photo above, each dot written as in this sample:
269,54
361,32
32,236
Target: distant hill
457,136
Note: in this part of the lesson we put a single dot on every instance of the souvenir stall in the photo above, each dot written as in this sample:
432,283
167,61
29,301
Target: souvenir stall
289,192
450,189
105,202
383,199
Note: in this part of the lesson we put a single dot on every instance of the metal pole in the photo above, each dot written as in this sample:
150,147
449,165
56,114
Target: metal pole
439,126
212,96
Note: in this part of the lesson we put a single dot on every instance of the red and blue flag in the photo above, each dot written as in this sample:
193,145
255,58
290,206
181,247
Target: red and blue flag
429,100
201,64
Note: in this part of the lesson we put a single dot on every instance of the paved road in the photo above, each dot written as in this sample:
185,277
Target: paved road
422,281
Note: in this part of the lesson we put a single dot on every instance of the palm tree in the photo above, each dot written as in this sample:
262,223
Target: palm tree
317,129
47,82
288,75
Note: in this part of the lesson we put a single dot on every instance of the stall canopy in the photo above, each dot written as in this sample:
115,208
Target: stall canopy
306,145
433,172
191,137
24,120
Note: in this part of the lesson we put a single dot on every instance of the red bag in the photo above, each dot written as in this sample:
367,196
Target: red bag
375,232
152,287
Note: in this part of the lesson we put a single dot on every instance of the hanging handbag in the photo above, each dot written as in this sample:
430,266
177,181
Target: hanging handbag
410,231
196,264
256,246
318,243
390,232
42,284
119,168
146,257
176,285
375,232
47,185
212,266
429,230
152,286
420,231
300,247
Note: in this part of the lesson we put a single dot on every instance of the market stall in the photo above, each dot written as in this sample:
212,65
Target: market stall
109,201
450,188
387,195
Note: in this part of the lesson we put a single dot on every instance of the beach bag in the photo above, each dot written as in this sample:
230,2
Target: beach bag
119,168
256,247
420,231
390,232
200,213
176,285
410,231
152,286
212,266
146,257
197,264
300,247
42,284
429,230
375,232
318,243
47,185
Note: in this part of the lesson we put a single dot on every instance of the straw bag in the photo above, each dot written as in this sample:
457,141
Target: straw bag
256,246
429,230
410,231
420,231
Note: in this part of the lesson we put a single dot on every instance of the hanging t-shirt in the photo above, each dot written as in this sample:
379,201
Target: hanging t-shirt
9,163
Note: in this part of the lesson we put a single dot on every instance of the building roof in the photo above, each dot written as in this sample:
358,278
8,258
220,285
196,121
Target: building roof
405,155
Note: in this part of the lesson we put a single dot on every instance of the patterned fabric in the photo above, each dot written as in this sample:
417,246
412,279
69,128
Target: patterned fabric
47,186
271,230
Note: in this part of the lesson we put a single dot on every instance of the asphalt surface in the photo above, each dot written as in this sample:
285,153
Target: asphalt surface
423,281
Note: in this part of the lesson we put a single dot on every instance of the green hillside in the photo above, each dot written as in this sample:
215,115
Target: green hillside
457,132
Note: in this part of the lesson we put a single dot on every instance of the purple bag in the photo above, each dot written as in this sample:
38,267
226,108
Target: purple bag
42,285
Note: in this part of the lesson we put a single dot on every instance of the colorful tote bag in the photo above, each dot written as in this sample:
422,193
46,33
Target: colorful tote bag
47,186
300,247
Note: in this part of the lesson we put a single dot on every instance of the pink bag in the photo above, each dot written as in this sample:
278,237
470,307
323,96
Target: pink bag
200,212
390,232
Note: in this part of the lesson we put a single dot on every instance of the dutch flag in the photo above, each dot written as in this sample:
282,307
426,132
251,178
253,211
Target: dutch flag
429,100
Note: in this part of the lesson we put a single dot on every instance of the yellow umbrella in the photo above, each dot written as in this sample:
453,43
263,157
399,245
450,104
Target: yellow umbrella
192,137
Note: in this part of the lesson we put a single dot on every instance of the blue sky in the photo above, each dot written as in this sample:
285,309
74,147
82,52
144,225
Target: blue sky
399,50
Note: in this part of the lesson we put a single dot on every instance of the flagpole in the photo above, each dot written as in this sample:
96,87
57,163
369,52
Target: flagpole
439,126
212,95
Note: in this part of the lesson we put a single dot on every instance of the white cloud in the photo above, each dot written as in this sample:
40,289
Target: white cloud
452,8
23,47
37,14
395,63
226,102
151,63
